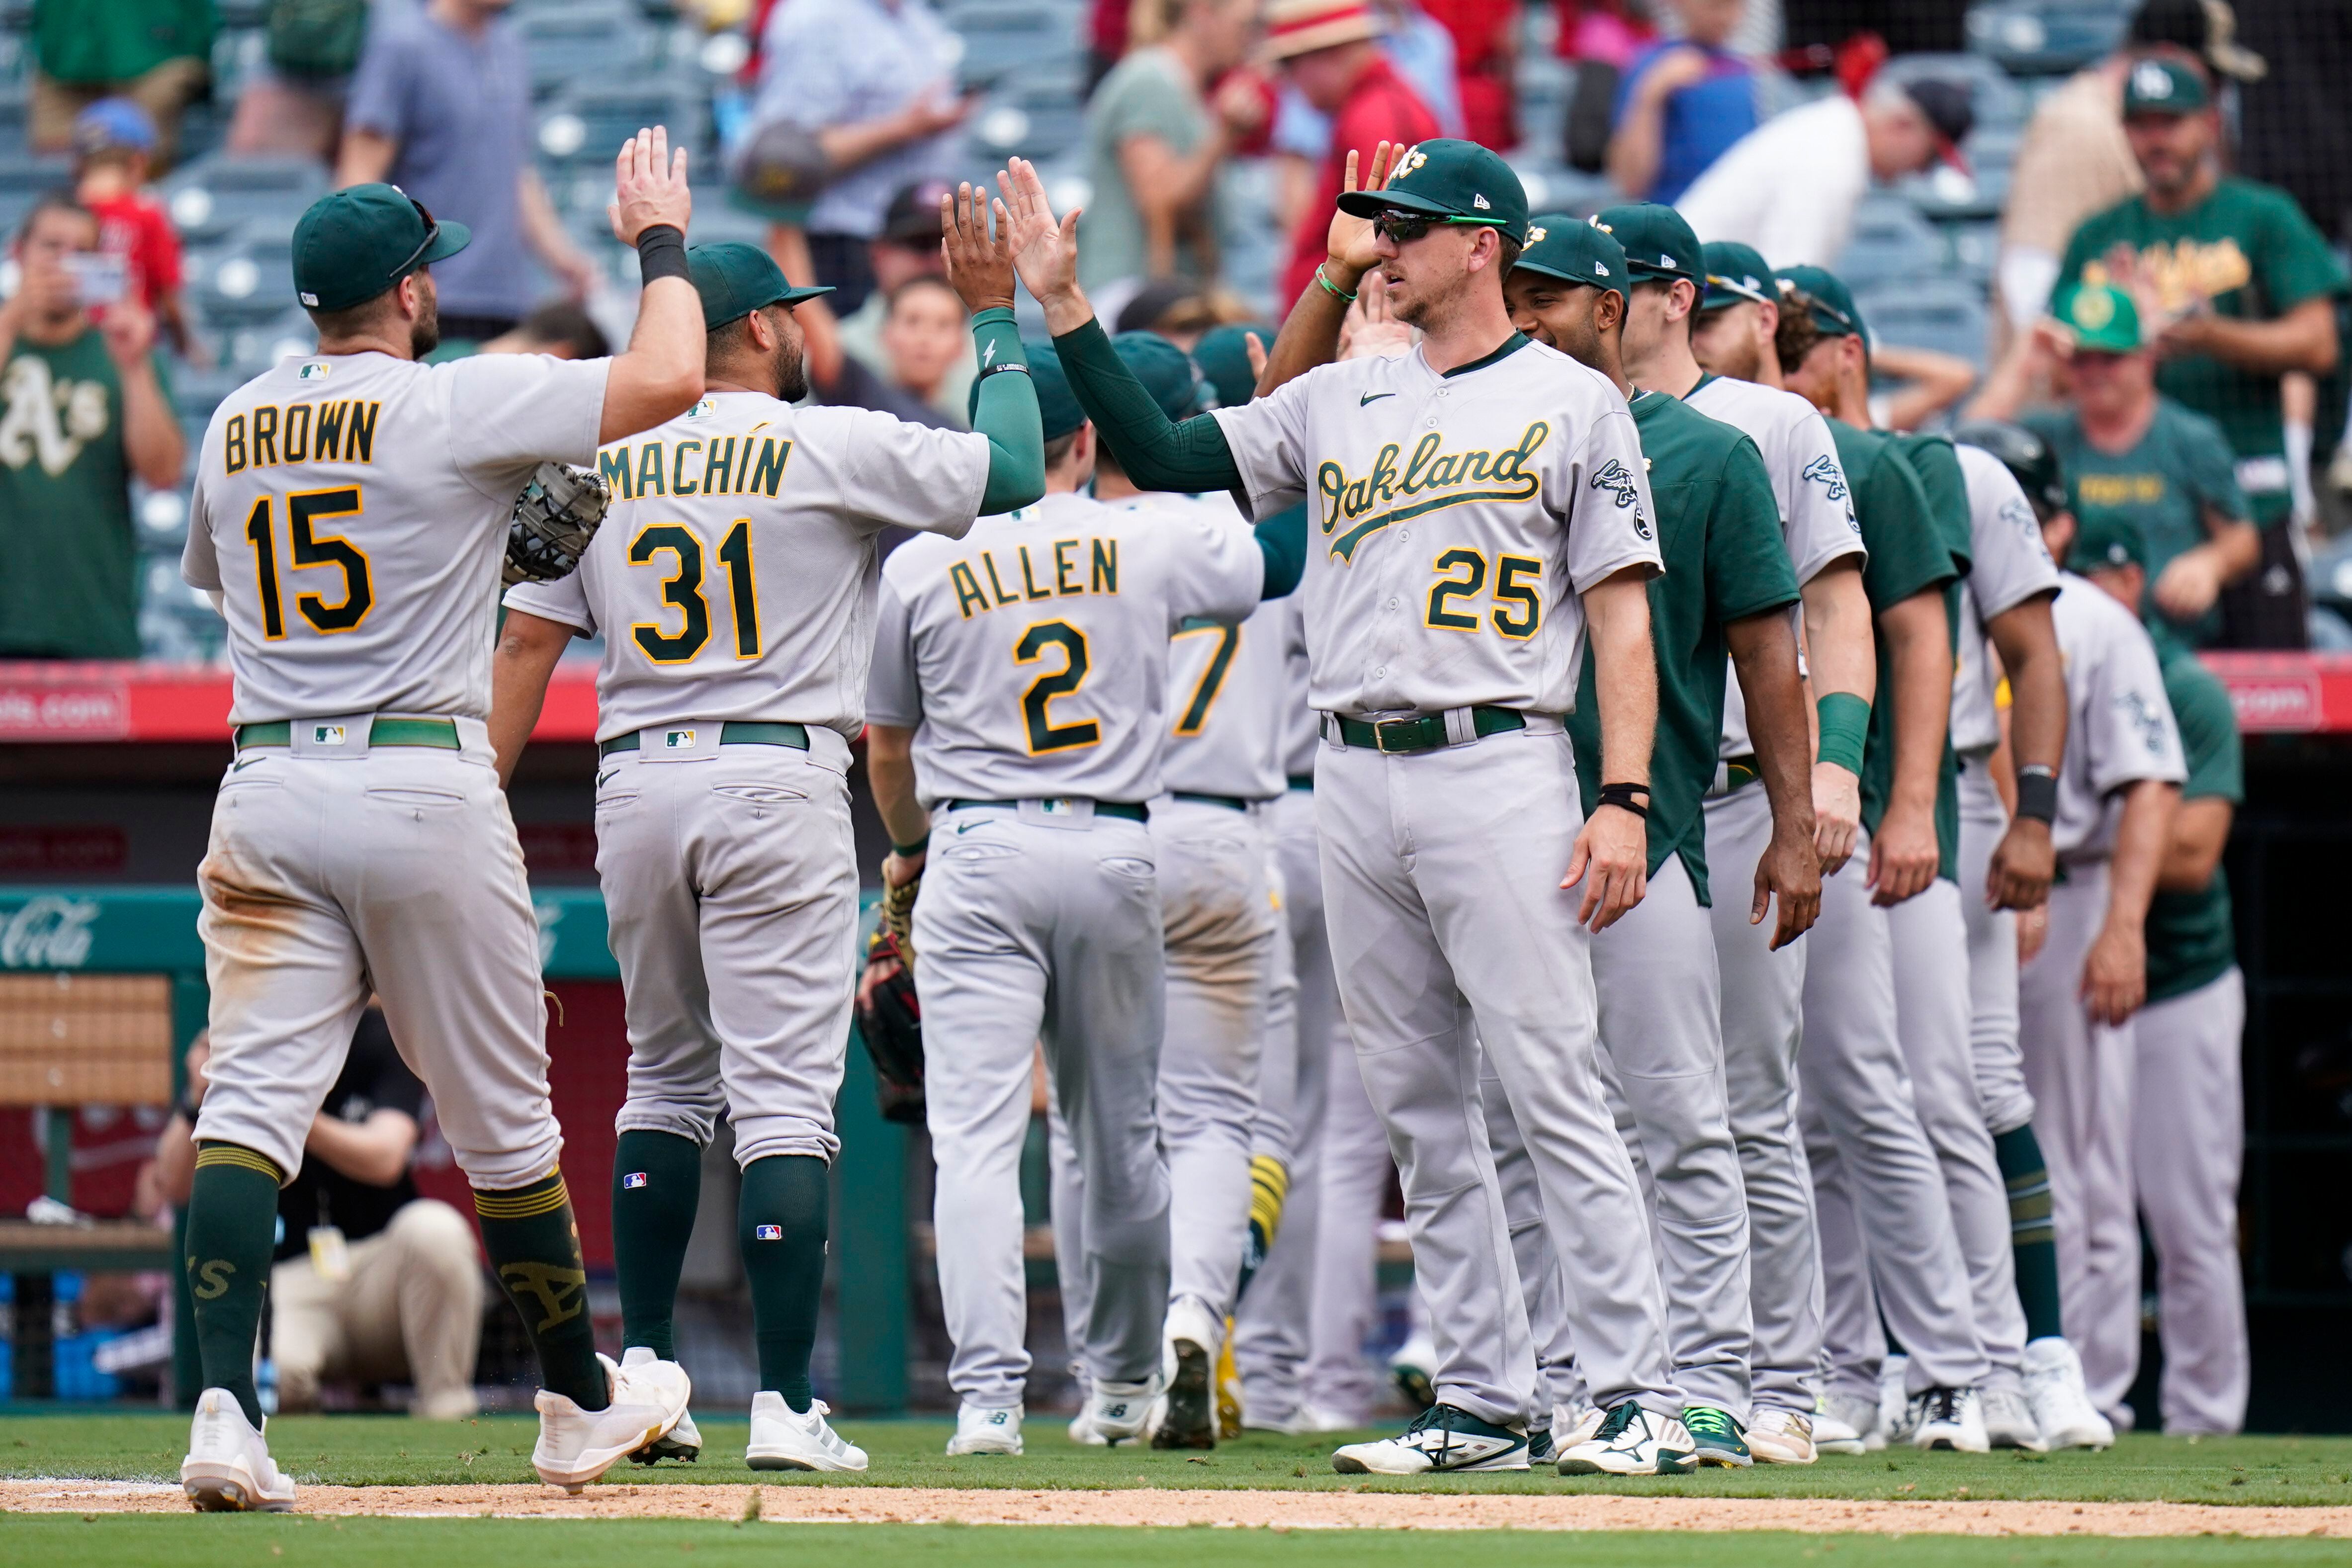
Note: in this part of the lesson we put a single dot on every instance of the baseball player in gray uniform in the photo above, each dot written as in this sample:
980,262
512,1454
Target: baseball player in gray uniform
1218,911
734,582
2116,796
1476,504
1023,746
1762,984
350,511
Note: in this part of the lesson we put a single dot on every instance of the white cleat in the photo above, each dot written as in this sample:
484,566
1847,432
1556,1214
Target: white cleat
784,1439
984,1429
648,1399
1188,1414
1115,1413
1893,1396
1780,1437
1574,1423
228,1468
1632,1441
2009,1421
2061,1405
1441,1439
1412,1367
1947,1418
683,1441
1847,1424
1315,1419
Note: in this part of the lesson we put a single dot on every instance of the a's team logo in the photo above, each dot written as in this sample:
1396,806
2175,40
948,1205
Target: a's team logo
1618,479
1594,222
1823,470
562,1293
2150,79
2092,308
314,371
326,734
1535,235
767,1233
677,739
1399,487
2145,717
48,421
633,1181
1414,159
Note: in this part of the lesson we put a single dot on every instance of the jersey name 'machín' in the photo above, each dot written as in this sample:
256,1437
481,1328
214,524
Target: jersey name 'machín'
722,466
1502,475
271,434
1086,566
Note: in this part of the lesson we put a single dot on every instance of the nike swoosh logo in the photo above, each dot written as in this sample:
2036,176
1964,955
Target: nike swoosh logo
240,767
1373,397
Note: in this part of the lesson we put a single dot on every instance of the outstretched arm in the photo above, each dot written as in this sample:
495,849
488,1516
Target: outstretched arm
1005,411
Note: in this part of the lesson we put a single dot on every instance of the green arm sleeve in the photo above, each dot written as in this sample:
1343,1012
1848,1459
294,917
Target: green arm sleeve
1157,453
1005,411
1282,538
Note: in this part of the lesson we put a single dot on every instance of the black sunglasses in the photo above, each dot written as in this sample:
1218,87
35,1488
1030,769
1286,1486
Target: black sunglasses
1405,227
432,232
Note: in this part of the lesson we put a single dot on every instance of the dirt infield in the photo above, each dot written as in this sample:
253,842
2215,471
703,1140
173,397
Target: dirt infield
813,1504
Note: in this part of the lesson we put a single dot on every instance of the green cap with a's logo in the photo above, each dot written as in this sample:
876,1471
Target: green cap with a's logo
1459,180
2160,85
351,245
1658,240
1832,301
735,280
1565,247
2105,540
2102,319
1736,274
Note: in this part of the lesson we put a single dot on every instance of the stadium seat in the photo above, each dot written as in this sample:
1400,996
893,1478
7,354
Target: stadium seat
212,199
1001,39
1998,100
1891,243
584,126
584,43
2046,38
246,283
1947,314
23,179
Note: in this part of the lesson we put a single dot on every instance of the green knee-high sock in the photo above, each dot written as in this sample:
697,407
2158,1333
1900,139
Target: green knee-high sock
656,1187
534,1247
781,1223
2031,1238
231,1229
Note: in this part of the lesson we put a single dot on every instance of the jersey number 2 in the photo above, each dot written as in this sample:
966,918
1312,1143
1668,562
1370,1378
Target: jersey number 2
310,548
1036,703
683,590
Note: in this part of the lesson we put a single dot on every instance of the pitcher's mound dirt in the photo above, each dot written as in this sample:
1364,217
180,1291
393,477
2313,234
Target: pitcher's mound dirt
816,1504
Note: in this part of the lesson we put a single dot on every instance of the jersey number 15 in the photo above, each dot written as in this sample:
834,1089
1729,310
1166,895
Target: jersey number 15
309,547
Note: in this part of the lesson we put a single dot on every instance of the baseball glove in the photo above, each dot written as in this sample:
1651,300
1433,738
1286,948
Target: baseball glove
898,914
890,1018
555,518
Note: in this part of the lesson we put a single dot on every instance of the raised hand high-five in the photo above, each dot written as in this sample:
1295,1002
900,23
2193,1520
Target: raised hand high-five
979,268
648,186
1349,253
1044,248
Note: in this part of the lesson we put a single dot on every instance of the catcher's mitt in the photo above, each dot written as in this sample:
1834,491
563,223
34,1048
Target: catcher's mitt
555,518
891,1017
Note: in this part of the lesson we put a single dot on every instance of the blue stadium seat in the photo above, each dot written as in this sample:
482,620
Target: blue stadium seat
1001,38
246,283
23,179
584,127
2046,38
584,42
1891,243
1947,314
211,200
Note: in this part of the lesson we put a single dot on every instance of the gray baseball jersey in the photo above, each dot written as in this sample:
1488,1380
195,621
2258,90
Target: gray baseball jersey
1298,725
1030,657
1817,518
352,509
2009,565
735,575
1454,520
2119,725
1225,684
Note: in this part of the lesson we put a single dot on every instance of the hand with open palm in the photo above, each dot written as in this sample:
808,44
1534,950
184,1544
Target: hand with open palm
1349,246
1044,248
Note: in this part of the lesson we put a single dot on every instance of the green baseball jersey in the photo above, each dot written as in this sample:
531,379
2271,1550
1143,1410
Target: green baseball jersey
2190,940
2179,470
70,589
1907,555
1720,532
1933,459
2250,251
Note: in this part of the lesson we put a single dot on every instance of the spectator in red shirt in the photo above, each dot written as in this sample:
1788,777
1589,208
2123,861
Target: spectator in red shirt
1485,62
1324,47
113,142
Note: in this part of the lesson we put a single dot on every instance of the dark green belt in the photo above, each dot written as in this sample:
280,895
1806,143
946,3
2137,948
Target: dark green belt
439,733
734,733
1230,802
1423,731
1740,772
1102,808
1302,781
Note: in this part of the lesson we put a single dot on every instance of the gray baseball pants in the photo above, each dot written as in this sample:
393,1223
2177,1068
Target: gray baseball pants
1762,1019
1450,933
1033,926
1870,1152
2082,1074
2188,1144
1992,958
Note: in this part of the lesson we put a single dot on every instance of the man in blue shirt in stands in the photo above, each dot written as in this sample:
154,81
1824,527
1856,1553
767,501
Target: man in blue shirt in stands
1680,104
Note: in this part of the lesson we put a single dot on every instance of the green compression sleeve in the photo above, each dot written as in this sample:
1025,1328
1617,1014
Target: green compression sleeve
1006,413
1157,453
1282,539
1846,724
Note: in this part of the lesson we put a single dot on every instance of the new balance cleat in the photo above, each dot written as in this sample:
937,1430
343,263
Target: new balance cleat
986,1429
1780,1437
1115,1413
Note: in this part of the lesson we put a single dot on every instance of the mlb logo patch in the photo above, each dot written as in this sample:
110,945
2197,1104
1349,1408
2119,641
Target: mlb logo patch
314,372
633,1180
678,740
706,407
327,735
767,1233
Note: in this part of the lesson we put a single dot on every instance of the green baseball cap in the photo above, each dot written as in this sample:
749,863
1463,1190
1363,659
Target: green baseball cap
2161,85
2102,319
1563,245
351,245
735,280
1166,371
1460,182
1223,354
1057,406
1658,240
2108,540
1736,274
1833,308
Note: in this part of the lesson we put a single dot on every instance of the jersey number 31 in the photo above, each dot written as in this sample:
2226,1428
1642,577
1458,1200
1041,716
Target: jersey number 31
683,590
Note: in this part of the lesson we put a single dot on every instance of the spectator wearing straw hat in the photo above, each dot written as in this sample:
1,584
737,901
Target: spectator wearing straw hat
1325,48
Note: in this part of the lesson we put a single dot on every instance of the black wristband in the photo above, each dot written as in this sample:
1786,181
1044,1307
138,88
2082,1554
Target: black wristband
2037,793
661,253
1007,368
1621,795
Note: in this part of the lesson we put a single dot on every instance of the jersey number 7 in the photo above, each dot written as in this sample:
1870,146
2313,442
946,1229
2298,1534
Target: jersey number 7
309,547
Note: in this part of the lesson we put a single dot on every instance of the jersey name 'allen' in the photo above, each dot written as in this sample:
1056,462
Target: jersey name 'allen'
1088,566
